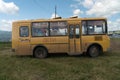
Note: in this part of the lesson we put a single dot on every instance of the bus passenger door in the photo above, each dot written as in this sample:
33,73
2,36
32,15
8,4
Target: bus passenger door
24,40
74,39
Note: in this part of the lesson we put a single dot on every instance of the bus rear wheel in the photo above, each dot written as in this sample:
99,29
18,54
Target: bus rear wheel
40,52
94,51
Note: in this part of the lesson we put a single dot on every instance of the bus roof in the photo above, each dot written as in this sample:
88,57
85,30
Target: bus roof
62,19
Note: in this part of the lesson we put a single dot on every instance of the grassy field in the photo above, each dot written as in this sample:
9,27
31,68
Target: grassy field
5,45
61,67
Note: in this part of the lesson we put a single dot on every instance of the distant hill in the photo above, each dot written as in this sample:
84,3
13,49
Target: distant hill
5,36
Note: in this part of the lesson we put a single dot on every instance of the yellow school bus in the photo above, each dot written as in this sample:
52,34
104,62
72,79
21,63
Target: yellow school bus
74,36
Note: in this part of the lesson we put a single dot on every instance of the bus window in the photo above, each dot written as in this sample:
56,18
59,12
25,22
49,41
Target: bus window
71,35
40,29
77,31
24,31
58,28
84,28
74,31
94,27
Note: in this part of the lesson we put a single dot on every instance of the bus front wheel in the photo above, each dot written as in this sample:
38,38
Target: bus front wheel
94,51
40,52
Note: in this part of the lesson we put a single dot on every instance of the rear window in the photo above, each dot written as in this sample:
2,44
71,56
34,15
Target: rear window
24,31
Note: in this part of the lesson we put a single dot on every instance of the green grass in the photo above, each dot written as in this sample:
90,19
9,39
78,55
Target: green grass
105,67
60,67
5,45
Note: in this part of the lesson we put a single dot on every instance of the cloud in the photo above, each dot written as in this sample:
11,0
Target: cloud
8,7
74,6
87,3
6,25
104,8
53,15
114,25
84,3
99,8
77,12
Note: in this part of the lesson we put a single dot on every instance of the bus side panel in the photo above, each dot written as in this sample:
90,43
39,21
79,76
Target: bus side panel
88,40
24,41
106,43
20,45
15,38
53,44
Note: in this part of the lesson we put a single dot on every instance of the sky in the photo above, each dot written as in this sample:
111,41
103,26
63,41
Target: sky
12,10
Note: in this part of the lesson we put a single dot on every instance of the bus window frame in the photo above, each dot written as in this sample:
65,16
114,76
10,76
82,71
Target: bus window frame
20,31
73,35
74,31
59,35
40,36
49,34
79,31
106,27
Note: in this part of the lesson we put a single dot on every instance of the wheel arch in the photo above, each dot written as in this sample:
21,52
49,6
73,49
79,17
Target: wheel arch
95,44
39,46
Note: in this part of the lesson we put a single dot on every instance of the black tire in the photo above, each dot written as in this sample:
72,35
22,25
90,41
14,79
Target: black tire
40,52
94,51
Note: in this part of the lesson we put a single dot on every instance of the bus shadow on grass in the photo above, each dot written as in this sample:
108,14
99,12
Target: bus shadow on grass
52,55
59,55
65,55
